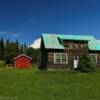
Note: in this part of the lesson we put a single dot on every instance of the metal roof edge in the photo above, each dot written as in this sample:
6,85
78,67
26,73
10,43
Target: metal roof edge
22,55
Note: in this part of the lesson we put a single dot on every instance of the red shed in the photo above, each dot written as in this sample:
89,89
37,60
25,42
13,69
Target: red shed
23,61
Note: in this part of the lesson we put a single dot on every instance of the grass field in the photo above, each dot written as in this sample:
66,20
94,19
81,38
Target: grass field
31,84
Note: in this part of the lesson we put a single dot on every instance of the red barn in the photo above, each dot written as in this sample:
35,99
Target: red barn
23,61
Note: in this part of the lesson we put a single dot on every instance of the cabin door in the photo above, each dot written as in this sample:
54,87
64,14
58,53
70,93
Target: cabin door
76,61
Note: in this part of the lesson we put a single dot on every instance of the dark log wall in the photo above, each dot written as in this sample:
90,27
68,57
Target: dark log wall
51,62
72,48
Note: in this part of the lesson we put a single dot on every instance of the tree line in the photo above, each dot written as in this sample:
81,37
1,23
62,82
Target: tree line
10,49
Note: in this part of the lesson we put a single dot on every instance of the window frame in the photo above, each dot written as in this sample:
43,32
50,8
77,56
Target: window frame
95,57
61,58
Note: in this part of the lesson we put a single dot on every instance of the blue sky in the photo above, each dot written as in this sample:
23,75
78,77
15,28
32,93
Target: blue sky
26,20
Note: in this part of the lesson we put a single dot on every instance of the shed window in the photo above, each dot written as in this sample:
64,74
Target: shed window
94,57
60,58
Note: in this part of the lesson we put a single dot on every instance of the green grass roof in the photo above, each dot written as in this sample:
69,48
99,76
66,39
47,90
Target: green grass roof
51,41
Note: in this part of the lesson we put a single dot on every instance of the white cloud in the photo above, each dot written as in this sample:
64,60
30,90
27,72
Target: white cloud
98,41
36,43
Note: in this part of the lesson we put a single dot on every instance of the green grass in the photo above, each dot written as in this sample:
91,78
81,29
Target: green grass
32,84
2,64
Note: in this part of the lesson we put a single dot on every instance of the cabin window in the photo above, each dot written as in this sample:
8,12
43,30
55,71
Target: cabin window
60,58
94,57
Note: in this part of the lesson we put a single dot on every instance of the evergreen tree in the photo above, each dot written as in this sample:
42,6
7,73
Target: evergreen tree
17,47
25,48
11,51
85,63
21,49
34,54
7,57
1,49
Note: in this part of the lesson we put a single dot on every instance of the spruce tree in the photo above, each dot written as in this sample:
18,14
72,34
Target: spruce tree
17,47
25,48
21,49
1,49
7,50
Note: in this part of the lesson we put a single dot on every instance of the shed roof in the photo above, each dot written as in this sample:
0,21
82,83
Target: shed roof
53,41
22,56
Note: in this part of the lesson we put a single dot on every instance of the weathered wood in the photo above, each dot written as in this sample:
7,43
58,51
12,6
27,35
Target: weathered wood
72,48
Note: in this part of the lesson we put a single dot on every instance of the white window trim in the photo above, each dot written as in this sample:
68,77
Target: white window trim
60,58
95,55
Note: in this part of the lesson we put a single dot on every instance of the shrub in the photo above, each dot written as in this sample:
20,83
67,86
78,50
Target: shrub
85,64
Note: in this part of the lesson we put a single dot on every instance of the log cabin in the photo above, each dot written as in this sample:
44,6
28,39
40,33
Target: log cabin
64,51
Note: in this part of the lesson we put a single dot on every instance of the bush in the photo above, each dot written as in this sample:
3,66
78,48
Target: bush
85,64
